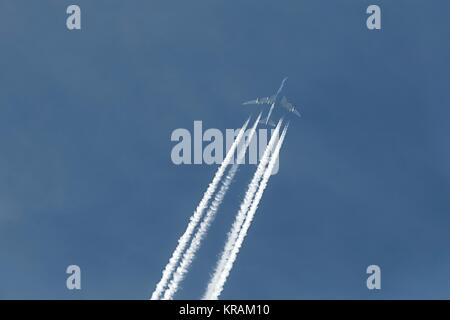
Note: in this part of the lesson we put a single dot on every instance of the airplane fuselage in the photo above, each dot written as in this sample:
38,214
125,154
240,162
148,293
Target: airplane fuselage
276,100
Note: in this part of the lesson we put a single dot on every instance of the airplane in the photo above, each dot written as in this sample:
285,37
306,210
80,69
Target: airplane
275,101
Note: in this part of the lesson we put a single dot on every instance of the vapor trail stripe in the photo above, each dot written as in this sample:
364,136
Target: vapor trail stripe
189,254
240,216
195,218
249,218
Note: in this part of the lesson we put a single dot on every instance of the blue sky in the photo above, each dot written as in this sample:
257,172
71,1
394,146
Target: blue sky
86,117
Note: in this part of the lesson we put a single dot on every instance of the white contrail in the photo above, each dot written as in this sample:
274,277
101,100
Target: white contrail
239,220
195,218
189,254
248,220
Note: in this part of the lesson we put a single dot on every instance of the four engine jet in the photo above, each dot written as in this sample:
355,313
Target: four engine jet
277,100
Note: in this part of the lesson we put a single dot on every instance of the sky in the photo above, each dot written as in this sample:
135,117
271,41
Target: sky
86,117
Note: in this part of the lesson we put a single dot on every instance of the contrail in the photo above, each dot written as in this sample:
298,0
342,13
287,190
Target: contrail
189,254
196,216
239,220
248,220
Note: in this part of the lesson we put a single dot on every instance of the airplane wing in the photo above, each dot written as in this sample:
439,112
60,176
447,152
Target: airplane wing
266,100
286,104
296,113
289,106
